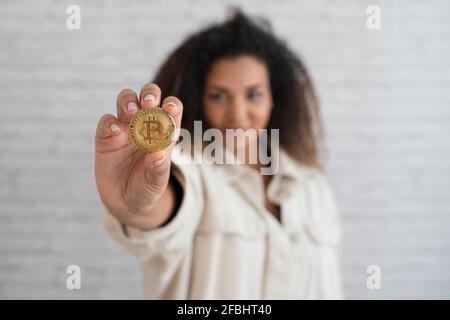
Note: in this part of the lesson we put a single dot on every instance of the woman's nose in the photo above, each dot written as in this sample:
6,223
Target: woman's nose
237,112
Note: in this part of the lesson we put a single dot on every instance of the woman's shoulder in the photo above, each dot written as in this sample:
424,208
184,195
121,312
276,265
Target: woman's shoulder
322,216
313,179
291,167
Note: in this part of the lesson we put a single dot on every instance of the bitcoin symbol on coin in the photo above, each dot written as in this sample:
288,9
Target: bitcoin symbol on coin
152,129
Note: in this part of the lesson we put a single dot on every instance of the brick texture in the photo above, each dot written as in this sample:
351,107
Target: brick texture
385,101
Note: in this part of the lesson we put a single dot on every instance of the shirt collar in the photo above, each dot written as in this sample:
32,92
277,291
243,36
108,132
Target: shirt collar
288,169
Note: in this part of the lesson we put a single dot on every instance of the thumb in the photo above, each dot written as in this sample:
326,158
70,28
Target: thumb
157,169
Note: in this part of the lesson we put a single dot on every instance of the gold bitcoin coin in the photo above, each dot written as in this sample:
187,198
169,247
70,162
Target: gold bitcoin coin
152,129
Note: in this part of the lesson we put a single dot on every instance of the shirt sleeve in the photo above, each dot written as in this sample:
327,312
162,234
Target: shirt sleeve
177,234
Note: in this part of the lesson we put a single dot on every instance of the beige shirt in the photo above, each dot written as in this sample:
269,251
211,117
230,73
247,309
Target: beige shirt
224,244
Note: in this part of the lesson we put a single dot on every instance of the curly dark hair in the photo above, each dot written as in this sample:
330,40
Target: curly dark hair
295,107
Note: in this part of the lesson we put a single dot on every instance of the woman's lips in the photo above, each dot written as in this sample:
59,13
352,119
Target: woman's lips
239,128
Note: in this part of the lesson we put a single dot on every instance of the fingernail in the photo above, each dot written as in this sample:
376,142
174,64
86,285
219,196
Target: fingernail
149,97
132,107
159,161
114,127
172,106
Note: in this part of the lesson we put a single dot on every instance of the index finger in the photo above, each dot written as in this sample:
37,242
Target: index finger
174,107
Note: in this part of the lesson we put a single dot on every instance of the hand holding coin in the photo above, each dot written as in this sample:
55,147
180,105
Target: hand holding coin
133,156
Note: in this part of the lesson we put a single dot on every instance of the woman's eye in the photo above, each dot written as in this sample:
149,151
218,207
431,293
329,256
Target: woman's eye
254,95
217,97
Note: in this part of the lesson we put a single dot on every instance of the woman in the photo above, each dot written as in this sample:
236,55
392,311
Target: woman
211,231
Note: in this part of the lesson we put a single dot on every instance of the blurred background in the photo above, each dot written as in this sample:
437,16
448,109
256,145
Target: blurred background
385,98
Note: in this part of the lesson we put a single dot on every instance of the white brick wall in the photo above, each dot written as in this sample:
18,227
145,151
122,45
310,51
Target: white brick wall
385,97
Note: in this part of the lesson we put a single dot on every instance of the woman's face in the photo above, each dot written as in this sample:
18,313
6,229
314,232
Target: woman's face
237,94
